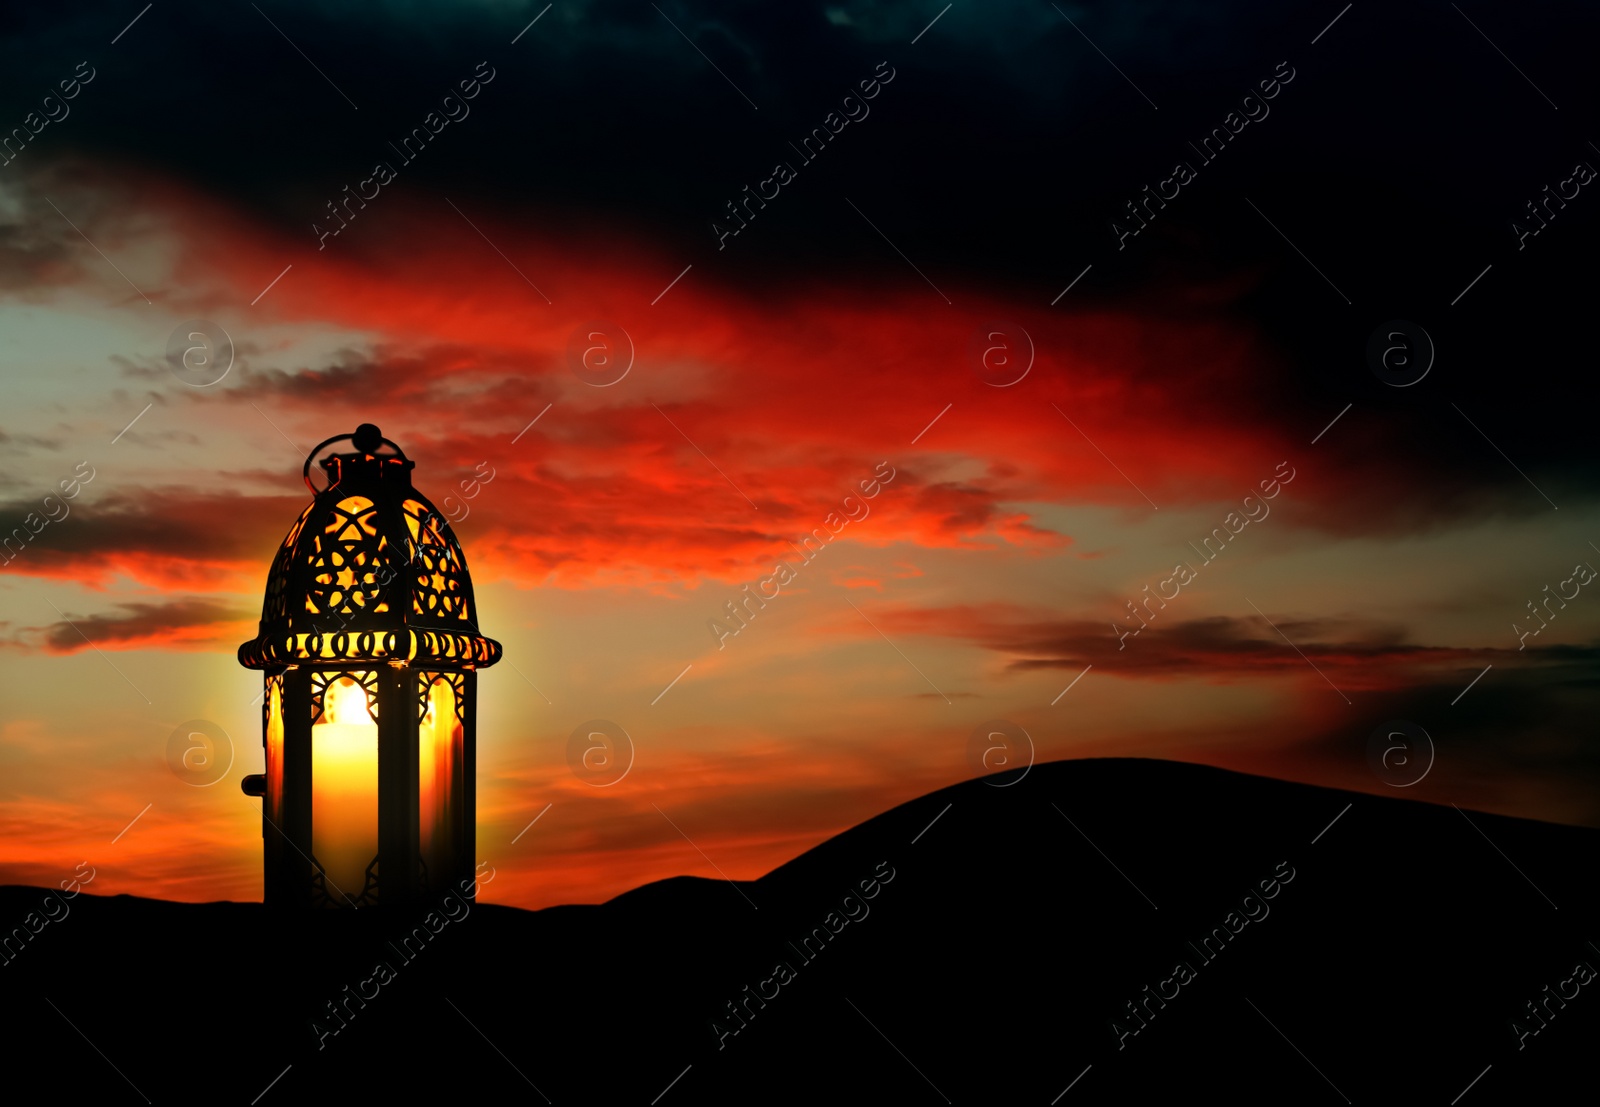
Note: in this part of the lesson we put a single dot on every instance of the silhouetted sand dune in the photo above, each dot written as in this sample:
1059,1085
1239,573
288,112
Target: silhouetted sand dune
1144,931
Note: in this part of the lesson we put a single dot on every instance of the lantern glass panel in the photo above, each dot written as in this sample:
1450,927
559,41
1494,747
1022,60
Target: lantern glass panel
274,798
344,787
439,753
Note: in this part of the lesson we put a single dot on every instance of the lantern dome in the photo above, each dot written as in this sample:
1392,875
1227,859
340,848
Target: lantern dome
370,572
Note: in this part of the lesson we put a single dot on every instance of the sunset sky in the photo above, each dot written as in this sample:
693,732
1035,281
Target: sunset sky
818,348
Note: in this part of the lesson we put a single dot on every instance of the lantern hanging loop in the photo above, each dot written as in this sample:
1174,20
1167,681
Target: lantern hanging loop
366,438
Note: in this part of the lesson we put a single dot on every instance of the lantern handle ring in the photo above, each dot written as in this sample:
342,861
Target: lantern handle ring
370,439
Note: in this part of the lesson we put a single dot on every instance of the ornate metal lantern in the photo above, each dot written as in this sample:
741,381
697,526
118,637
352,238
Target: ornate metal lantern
370,648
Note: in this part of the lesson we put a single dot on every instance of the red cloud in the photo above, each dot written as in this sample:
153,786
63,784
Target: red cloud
747,412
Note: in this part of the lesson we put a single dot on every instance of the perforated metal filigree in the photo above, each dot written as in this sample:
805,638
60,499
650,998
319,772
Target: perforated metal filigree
439,571
276,606
458,684
370,571
350,562
319,689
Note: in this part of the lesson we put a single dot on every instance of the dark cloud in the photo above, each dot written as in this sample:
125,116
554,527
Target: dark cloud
1004,135
158,534
1376,655
166,624
475,383
34,255
1516,730
1503,722
997,158
21,443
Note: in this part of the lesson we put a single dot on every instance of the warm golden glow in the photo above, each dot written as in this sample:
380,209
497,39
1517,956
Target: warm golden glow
274,800
426,643
415,511
294,532
344,799
360,510
436,560
438,747
342,555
